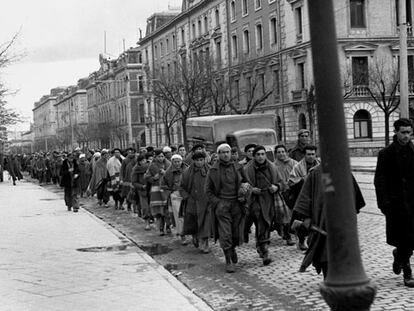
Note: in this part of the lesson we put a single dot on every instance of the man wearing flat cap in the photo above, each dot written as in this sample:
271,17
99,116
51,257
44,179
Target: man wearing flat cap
298,152
222,188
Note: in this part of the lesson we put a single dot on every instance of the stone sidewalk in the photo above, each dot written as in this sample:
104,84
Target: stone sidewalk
53,259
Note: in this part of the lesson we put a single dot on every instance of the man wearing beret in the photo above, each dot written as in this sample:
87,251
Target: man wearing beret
222,188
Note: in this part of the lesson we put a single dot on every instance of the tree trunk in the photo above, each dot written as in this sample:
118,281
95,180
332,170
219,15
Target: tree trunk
387,128
184,126
167,133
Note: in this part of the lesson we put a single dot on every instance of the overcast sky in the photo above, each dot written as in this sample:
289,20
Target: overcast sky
62,41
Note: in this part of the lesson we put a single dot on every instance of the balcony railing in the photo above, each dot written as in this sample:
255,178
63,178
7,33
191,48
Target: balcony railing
362,90
298,95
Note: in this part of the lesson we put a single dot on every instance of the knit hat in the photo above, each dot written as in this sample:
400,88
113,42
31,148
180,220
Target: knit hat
176,156
166,149
223,147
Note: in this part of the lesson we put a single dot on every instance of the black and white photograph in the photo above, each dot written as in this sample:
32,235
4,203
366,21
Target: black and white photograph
200,155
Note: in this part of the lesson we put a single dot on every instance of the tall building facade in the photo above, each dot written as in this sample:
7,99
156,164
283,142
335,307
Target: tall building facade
72,117
261,50
44,121
115,102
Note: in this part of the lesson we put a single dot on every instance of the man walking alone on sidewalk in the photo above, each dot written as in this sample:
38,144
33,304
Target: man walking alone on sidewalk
394,186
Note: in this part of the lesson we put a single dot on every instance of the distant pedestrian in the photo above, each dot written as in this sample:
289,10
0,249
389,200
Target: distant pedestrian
99,179
158,199
85,172
394,186
114,170
297,153
140,185
70,182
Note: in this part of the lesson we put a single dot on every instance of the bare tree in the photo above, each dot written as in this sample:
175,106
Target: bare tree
383,87
185,88
255,91
168,115
7,57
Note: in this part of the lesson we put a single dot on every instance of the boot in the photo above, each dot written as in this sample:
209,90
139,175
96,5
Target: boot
265,254
229,265
234,257
147,225
287,236
204,246
396,265
116,205
183,240
408,276
195,241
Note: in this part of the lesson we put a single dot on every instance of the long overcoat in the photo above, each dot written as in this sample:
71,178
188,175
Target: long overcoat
213,189
394,186
310,204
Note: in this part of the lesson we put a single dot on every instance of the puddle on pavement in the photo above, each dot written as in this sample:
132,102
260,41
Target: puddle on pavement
155,249
178,266
48,199
99,249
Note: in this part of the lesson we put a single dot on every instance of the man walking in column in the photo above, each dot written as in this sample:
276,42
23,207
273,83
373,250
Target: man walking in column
222,188
394,185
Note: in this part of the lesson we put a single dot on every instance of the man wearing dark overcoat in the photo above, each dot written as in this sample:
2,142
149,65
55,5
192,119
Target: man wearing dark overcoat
394,186
70,182
266,183
222,188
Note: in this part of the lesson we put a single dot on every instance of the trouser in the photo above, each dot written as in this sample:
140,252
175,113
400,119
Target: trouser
175,205
102,193
404,254
71,198
228,216
164,221
262,233
116,195
144,206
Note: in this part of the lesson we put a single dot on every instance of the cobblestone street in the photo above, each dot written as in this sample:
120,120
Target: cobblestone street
254,287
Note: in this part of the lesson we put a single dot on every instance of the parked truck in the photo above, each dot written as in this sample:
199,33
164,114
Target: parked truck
237,130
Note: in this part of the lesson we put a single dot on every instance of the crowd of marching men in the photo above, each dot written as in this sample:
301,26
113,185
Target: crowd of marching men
196,195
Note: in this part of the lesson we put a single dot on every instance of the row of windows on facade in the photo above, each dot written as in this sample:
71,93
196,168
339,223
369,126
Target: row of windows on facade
357,20
105,92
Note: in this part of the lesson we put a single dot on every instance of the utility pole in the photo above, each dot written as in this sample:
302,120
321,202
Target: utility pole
404,110
346,286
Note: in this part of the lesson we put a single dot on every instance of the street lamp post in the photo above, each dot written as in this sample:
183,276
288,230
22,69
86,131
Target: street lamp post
346,286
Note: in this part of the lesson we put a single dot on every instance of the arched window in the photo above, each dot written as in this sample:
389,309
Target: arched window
302,121
279,128
362,124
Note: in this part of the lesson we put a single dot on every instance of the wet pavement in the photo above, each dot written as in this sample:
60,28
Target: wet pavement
53,259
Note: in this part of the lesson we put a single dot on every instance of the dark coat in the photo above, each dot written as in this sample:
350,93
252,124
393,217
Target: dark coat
265,201
192,190
394,186
310,205
68,180
213,189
